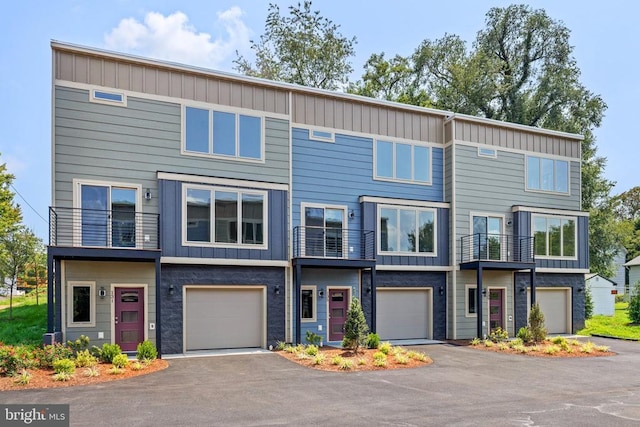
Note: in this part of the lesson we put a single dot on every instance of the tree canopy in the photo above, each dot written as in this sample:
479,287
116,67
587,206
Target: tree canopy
10,213
303,48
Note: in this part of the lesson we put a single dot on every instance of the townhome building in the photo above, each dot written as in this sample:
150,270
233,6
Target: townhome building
205,210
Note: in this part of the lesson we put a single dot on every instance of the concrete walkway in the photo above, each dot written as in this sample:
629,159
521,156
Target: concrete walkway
463,387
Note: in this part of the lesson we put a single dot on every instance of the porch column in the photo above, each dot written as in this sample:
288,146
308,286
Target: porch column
159,297
373,299
479,301
58,301
51,289
532,276
297,290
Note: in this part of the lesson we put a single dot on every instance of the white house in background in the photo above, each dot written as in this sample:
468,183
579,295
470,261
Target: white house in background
619,271
603,293
634,273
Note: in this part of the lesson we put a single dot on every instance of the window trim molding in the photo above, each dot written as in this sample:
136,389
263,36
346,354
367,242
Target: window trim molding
94,99
92,303
466,301
554,257
394,142
433,254
345,223
313,137
540,190
314,307
487,155
222,109
212,243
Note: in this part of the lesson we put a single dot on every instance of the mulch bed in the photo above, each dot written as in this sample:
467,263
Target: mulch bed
539,352
43,378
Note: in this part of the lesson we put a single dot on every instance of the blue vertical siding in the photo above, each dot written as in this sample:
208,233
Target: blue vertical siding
171,229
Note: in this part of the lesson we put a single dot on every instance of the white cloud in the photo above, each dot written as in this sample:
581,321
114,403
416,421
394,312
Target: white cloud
173,38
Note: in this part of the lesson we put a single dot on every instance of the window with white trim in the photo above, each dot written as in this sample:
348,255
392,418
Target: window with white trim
555,236
308,304
106,97
221,133
405,230
544,174
487,152
82,304
470,300
225,217
321,135
400,161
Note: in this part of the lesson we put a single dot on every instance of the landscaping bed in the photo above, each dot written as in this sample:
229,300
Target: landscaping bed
343,360
558,347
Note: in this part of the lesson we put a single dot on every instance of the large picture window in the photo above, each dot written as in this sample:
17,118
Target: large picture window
81,304
547,174
554,236
402,162
220,133
407,230
238,217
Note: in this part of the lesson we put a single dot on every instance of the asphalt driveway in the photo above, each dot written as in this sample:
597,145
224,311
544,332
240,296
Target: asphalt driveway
463,387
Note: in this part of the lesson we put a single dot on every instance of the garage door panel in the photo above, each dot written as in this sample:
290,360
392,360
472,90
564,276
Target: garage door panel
223,318
554,304
402,314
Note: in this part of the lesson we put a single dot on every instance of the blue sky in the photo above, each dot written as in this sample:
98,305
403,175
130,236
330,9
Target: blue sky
606,37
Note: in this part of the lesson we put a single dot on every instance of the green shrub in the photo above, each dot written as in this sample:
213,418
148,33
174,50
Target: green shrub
107,352
319,359
488,343
498,335
373,340
289,348
311,350
313,338
536,324
91,371
385,347
559,340
50,353
146,350
85,359
551,349
280,345
396,350
355,327
587,347
476,341
588,303
362,361
380,363
337,360
416,355
23,378
120,360
64,366
346,365
634,305
524,335
115,370
401,359
137,366
16,358
516,341
79,344
379,355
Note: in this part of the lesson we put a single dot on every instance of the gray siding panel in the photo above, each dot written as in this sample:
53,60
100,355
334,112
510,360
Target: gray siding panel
131,144
171,229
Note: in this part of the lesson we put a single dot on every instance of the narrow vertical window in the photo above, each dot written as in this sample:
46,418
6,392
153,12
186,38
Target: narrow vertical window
198,215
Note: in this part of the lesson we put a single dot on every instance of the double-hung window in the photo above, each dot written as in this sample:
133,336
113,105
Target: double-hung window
555,236
221,133
225,217
402,162
544,174
406,230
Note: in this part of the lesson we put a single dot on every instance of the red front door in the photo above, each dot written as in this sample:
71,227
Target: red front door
129,318
496,314
338,306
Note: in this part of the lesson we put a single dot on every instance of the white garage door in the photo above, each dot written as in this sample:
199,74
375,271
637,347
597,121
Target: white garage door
223,318
403,313
554,304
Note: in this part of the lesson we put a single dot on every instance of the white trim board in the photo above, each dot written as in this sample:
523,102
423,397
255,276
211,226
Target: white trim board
225,182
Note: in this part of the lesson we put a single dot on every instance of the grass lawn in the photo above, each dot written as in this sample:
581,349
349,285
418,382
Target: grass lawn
617,325
29,320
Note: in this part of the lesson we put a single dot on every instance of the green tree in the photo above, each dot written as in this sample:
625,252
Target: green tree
355,328
10,214
588,303
536,324
303,48
634,305
34,274
17,247
519,69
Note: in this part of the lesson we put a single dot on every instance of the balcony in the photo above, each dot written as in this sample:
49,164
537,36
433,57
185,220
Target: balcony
105,229
493,249
335,245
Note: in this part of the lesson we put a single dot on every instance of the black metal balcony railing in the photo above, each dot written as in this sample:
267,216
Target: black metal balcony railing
338,243
103,229
496,247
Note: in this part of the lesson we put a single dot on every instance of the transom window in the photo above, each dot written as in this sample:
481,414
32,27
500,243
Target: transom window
238,217
402,162
547,174
407,230
81,304
220,133
555,236
308,303
107,97
321,135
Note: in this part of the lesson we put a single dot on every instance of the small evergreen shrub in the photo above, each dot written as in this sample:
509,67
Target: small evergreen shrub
146,350
524,335
108,352
120,360
588,303
85,359
313,338
64,366
373,340
536,324
634,305
355,327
